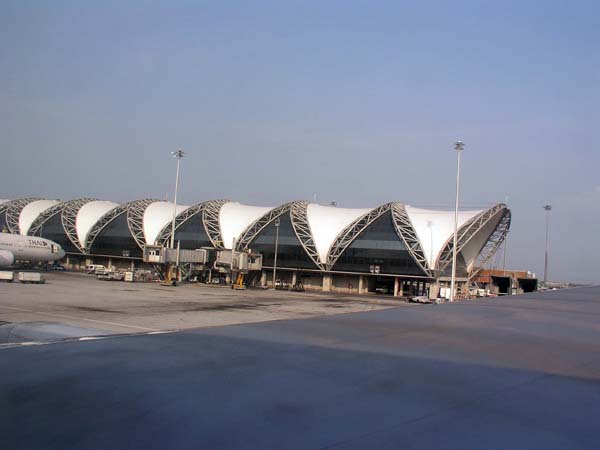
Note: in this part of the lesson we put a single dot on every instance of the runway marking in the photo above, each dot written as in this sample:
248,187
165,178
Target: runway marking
79,339
80,318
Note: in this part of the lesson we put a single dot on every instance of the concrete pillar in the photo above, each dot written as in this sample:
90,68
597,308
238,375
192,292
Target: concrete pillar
327,282
396,286
434,290
294,278
109,263
361,284
263,278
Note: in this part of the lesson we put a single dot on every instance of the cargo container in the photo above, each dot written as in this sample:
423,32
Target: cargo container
31,277
7,275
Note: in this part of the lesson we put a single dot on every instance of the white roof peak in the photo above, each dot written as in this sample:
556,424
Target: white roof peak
327,222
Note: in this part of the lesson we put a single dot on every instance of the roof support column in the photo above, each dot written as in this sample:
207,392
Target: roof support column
361,284
327,282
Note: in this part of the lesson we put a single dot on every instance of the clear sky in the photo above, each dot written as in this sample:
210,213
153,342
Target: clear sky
357,102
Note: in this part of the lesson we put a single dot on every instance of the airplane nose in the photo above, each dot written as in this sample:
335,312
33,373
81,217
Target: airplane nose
61,254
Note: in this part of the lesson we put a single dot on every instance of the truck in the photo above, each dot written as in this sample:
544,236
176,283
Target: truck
31,277
7,276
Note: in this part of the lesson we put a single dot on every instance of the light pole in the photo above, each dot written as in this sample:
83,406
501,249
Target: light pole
430,226
458,146
178,154
277,224
547,208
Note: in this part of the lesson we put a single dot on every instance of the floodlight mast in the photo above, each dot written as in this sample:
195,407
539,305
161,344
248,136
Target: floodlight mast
459,147
547,208
178,154
277,225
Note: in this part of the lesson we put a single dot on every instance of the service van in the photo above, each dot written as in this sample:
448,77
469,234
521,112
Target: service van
93,268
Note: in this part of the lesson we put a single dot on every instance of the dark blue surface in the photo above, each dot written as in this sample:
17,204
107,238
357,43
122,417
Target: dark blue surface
508,373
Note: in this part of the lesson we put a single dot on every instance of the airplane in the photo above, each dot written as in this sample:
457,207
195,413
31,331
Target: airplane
14,247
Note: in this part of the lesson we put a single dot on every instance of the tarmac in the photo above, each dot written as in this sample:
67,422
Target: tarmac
520,372
73,304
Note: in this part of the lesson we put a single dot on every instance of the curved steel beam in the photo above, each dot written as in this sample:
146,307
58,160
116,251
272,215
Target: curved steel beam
108,218
135,219
68,219
351,232
260,224
406,231
493,243
182,218
36,226
210,219
465,233
13,212
303,232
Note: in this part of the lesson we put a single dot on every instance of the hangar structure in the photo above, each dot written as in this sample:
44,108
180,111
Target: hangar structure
395,247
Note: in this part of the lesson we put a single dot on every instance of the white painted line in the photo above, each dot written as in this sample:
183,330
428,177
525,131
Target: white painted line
18,309
83,338
80,318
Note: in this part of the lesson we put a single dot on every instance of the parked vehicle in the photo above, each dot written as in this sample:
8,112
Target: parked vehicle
31,277
56,267
111,276
7,275
93,267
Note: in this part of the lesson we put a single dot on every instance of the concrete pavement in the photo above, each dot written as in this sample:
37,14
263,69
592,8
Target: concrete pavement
520,373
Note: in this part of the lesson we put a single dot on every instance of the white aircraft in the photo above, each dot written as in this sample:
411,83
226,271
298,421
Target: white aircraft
14,247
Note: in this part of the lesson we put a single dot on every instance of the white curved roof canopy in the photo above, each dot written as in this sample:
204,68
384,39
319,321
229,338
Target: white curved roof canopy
88,215
156,216
435,227
327,222
234,218
31,211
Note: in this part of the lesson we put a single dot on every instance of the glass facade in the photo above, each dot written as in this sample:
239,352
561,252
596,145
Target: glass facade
192,234
116,240
378,245
3,226
53,229
290,253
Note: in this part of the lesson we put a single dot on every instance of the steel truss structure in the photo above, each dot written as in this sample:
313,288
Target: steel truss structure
13,211
165,234
498,217
492,244
68,218
135,219
3,208
260,224
351,232
465,233
402,224
210,219
407,233
101,224
36,226
302,229
107,219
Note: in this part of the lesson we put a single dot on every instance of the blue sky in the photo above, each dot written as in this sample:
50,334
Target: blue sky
357,102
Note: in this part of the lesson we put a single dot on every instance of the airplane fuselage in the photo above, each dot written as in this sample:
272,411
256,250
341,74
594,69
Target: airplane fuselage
14,247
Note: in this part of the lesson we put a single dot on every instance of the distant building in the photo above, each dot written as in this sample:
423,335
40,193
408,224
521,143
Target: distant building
394,248
503,282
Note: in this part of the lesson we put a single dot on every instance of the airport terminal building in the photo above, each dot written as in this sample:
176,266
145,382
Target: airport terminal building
394,248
